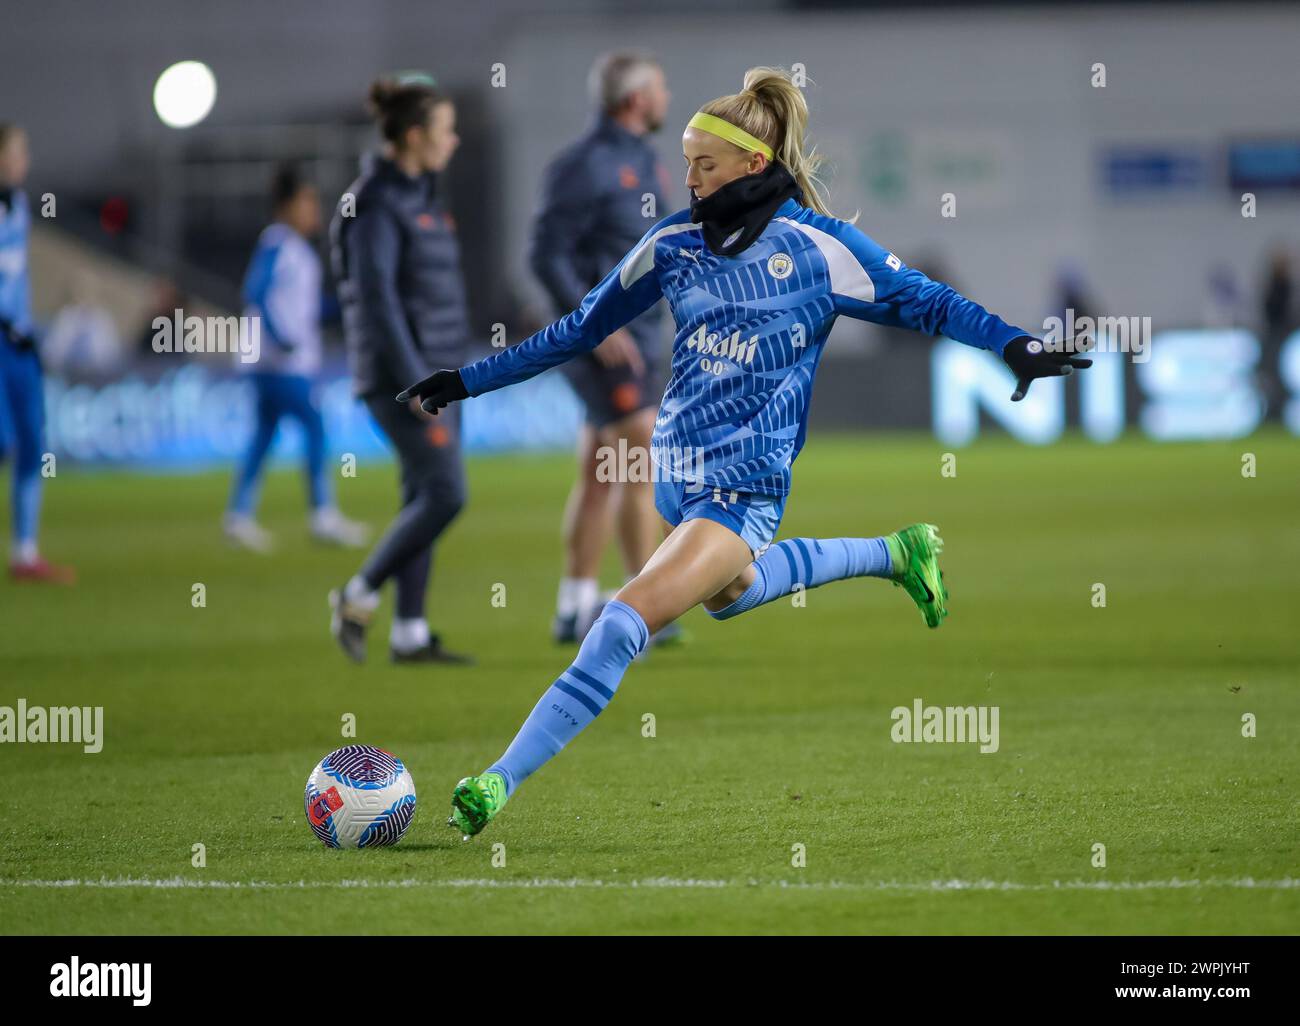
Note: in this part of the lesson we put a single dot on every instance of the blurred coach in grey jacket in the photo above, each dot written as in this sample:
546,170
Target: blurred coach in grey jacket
599,197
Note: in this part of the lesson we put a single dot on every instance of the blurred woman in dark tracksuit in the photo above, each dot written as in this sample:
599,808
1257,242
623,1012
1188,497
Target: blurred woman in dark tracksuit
397,261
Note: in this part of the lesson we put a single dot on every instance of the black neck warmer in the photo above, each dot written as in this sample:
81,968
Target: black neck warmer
734,215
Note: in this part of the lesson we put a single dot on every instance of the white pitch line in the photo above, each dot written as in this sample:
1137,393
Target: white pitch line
664,883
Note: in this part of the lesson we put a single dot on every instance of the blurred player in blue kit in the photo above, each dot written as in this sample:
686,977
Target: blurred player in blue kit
282,290
22,388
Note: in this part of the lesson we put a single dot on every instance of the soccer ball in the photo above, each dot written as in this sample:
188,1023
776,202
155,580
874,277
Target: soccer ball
359,797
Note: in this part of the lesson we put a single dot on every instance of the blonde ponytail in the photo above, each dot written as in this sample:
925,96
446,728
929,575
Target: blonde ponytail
771,107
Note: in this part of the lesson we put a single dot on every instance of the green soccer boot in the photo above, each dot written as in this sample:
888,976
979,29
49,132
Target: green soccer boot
915,554
476,802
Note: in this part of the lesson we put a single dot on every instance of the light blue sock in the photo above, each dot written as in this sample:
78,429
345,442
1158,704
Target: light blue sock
809,562
27,507
578,696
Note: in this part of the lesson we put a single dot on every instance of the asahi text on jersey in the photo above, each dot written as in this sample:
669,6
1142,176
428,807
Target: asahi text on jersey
732,346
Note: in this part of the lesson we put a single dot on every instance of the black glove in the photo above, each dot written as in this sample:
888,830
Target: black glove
1029,359
436,391
16,337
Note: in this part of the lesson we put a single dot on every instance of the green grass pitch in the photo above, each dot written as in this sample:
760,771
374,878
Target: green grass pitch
1119,726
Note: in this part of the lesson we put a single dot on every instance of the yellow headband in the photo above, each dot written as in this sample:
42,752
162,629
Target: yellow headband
732,133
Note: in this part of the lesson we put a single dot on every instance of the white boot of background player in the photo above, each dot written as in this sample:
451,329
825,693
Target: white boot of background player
330,526
242,530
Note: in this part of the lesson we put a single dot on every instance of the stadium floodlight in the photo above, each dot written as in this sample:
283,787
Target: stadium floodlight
184,94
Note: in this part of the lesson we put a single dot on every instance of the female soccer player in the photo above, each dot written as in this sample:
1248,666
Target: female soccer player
283,290
398,265
755,272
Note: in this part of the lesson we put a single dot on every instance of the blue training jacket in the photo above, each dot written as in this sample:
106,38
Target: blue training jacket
750,332
15,292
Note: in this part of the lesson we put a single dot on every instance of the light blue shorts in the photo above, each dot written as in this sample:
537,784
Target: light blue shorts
754,517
